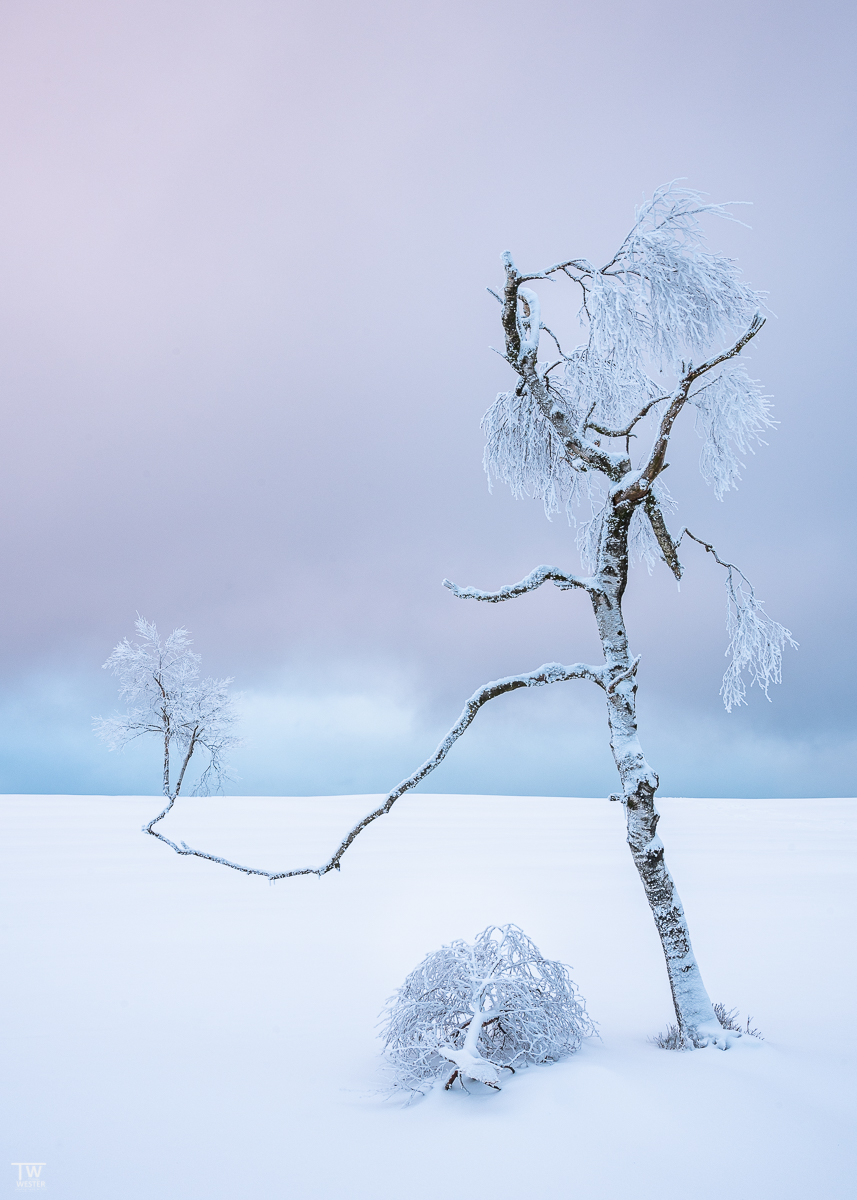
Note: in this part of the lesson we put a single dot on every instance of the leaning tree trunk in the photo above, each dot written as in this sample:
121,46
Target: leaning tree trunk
693,1007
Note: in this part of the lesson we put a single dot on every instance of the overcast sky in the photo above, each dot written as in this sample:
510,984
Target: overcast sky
244,354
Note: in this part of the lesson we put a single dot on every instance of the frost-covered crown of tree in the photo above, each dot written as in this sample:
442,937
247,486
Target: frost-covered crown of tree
159,680
661,300
572,428
471,1010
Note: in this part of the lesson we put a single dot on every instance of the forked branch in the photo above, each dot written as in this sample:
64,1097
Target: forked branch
657,460
710,549
626,432
541,677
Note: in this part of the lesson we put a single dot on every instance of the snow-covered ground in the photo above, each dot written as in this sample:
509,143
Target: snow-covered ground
174,1029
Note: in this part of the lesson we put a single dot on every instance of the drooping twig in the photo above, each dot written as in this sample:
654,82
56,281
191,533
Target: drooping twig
710,549
756,641
541,677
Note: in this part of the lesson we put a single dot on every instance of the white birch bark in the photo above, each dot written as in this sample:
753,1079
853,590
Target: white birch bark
693,1008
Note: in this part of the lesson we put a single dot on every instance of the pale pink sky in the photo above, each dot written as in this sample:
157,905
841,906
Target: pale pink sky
243,359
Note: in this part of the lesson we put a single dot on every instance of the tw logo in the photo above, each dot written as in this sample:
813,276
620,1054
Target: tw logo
33,1179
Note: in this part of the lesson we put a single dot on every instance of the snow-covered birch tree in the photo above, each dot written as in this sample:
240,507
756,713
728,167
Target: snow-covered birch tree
663,308
159,681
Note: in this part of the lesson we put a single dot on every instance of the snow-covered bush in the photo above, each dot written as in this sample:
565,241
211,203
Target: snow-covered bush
472,1010
671,1038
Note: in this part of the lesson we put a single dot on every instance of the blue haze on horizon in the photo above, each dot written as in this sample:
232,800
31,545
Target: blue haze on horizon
244,356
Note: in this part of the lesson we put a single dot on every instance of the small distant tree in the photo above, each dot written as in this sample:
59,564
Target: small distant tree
469,1011
665,320
159,680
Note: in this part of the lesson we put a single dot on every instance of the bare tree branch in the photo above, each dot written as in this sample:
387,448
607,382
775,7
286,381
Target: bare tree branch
623,433
551,334
529,583
708,546
669,548
541,677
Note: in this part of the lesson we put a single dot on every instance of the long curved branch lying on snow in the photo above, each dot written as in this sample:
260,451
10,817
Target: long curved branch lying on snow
529,583
546,674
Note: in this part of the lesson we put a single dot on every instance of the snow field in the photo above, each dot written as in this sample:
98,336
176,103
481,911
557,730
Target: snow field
174,1029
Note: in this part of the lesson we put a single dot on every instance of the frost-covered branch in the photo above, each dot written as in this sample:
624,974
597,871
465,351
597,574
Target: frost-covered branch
732,414
529,583
657,458
626,432
544,675
623,675
756,642
662,290
521,328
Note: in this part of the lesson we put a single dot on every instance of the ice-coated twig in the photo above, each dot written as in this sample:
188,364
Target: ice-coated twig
529,583
626,432
541,677
756,641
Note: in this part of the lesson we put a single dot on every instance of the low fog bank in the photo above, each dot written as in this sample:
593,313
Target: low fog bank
347,729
